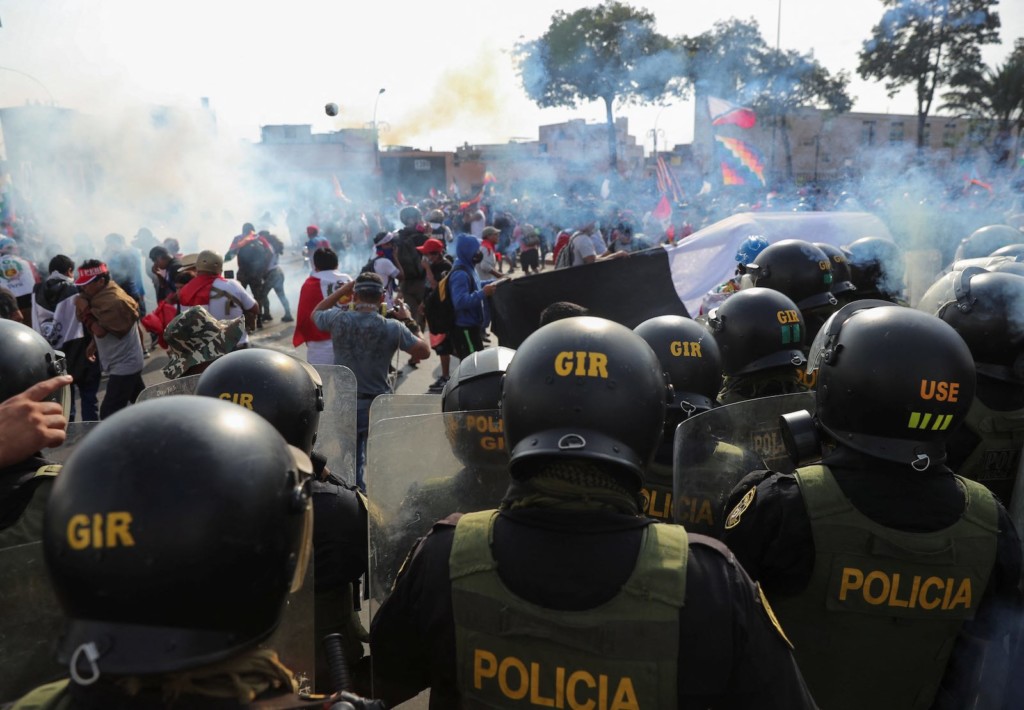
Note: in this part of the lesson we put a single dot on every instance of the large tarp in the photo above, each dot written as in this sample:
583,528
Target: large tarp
421,469
714,450
706,258
31,621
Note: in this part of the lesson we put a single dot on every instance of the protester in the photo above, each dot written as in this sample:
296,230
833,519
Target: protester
273,280
54,317
365,341
468,296
19,276
225,299
195,339
385,264
437,265
112,316
324,279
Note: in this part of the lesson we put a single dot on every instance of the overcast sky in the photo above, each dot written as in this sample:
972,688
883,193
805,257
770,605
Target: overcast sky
445,66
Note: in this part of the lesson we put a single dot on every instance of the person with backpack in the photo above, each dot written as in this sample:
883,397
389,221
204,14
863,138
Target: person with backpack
581,247
254,260
467,295
273,280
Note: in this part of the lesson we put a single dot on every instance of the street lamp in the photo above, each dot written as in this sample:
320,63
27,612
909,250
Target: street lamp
376,137
29,76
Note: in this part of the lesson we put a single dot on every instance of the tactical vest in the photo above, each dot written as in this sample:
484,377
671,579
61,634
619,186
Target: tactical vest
876,624
622,654
995,459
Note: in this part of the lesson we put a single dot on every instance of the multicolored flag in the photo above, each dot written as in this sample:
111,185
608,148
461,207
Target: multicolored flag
663,210
725,113
739,161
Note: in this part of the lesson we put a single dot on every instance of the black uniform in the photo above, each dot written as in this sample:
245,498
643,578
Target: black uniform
729,654
772,539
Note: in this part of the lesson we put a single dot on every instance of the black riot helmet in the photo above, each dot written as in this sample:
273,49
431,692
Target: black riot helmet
284,390
796,268
477,436
987,310
842,282
476,382
26,359
893,382
876,266
987,239
173,535
584,388
758,329
410,216
689,356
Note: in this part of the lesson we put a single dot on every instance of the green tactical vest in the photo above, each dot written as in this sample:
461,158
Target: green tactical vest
876,624
995,459
621,655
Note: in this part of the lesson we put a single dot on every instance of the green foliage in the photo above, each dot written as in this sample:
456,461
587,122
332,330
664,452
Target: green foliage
725,61
609,52
924,44
994,97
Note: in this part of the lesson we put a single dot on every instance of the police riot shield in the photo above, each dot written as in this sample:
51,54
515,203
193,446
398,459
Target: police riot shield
294,639
422,468
31,622
714,450
1017,500
389,406
180,385
336,434
76,431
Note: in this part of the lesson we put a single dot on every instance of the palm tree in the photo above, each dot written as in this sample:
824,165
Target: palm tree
994,96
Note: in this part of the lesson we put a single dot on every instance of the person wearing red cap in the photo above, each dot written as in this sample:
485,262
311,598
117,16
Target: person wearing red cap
437,264
112,316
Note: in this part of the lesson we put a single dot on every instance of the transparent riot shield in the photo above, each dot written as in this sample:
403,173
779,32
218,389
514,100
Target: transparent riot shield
389,406
714,450
295,640
336,434
421,469
31,622
76,431
181,385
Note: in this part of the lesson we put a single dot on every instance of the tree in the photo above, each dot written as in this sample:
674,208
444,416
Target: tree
724,61
995,97
609,52
924,44
788,80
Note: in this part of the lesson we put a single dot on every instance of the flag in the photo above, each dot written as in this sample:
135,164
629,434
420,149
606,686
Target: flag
667,182
337,189
515,306
453,190
606,189
974,180
433,193
663,210
400,198
489,178
469,203
739,162
724,113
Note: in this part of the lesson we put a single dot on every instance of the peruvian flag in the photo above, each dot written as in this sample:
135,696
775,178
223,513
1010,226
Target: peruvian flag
725,113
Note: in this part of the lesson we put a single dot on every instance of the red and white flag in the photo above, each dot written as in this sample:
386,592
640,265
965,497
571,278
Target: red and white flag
724,113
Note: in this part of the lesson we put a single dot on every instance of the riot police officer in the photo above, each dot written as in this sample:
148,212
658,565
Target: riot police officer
842,281
568,595
987,310
167,589
893,577
34,402
690,359
876,269
760,334
288,393
803,272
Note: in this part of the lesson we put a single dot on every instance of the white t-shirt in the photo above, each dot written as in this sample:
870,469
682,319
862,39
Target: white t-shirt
387,270
582,247
222,308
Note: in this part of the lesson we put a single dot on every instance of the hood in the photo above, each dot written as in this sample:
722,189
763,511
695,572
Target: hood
55,289
466,247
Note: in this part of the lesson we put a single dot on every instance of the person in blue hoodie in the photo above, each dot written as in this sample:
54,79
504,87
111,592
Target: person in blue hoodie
468,296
